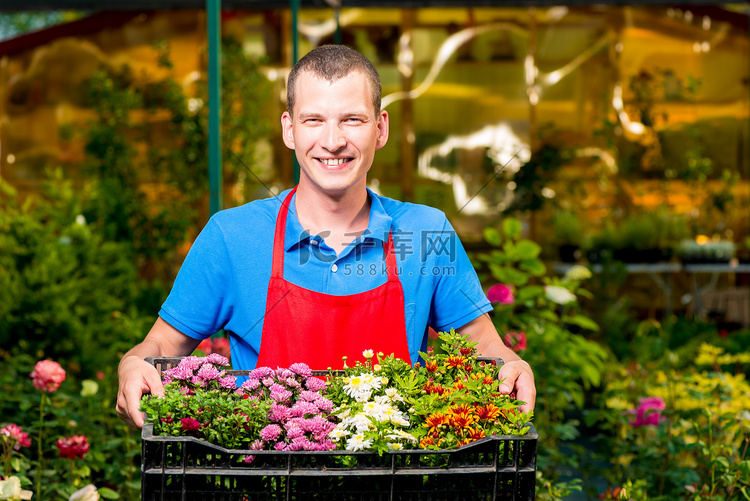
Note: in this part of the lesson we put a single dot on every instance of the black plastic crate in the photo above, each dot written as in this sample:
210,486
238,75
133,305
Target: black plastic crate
186,468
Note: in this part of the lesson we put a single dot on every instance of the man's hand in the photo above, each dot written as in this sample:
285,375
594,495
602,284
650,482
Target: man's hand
137,378
517,375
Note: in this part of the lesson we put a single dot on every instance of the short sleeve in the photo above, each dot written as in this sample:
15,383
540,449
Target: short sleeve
458,298
201,300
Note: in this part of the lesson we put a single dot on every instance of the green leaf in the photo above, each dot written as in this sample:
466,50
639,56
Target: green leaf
530,292
508,275
527,249
512,228
533,266
108,493
582,321
492,236
744,468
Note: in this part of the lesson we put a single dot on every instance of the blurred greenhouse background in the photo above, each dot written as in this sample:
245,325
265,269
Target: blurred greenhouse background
616,136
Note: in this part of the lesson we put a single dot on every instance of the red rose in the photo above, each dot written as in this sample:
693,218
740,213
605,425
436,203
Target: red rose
72,447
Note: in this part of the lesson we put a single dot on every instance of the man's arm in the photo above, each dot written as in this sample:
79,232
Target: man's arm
138,377
516,372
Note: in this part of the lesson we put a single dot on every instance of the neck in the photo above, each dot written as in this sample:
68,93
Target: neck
338,219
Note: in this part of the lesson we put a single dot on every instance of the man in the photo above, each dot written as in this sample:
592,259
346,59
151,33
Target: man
327,269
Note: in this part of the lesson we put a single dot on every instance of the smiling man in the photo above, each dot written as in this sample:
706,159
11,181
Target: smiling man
329,268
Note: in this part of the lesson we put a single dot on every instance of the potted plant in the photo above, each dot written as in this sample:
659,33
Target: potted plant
705,251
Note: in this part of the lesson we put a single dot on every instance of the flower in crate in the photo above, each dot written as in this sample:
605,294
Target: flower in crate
14,436
461,401
299,415
72,447
201,400
372,413
47,375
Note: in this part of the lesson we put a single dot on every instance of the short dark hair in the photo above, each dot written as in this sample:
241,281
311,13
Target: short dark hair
333,62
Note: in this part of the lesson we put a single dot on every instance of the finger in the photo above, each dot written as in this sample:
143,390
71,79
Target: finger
526,392
508,375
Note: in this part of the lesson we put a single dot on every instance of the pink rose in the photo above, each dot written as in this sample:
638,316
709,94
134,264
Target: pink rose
648,412
500,293
516,341
18,437
47,375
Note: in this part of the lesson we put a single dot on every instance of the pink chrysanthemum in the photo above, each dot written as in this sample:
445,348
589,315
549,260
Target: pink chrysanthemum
228,382
324,404
301,409
301,369
208,372
271,432
315,384
215,358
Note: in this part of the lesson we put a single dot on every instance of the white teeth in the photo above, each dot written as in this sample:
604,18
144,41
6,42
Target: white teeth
333,161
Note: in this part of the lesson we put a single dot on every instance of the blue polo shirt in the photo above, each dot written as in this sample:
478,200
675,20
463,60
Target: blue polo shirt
223,281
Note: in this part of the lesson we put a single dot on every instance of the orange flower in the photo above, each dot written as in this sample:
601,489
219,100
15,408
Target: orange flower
476,433
455,361
430,365
459,385
461,417
435,421
487,412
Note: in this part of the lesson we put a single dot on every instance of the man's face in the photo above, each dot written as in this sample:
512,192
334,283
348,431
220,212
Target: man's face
335,132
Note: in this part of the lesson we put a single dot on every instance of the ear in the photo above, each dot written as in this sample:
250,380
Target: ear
286,130
382,129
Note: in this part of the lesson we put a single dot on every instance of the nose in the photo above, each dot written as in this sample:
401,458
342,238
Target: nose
333,138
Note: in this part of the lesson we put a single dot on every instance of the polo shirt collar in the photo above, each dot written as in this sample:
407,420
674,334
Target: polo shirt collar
377,228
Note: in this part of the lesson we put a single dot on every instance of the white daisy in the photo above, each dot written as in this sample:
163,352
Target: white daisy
358,443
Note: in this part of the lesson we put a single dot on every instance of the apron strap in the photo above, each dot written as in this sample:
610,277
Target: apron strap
277,269
390,259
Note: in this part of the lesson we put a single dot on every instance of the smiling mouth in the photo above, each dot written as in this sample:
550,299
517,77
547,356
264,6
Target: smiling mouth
333,162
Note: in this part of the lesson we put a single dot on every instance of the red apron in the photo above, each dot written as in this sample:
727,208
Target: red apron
318,329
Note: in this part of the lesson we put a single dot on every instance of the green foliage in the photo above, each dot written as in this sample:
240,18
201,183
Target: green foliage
548,311
64,287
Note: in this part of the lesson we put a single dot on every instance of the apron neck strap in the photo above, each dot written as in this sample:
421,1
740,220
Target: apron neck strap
277,269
